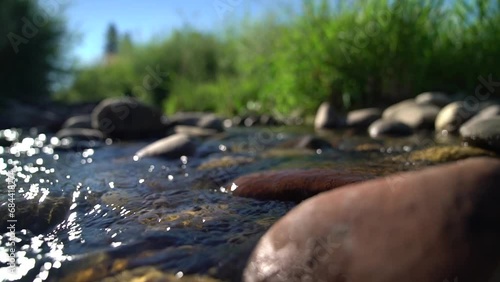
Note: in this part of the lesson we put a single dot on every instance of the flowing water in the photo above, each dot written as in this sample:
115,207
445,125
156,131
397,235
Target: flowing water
92,211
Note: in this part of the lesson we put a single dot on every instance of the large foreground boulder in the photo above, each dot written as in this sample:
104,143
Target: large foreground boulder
439,224
127,118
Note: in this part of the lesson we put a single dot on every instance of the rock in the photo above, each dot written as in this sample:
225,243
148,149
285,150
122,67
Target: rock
306,142
210,121
326,117
81,121
225,162
446,154
484,134
389,112
439,99
268,120
451,117
293,184
194,131
486,113
127,118
80,134
384,127
414,115
174,146
439,224
38,217
363,118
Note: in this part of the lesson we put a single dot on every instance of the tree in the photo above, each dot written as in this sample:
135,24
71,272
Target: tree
31,49
111,40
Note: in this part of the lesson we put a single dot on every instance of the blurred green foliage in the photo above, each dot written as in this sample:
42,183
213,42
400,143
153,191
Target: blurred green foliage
352,53
31,48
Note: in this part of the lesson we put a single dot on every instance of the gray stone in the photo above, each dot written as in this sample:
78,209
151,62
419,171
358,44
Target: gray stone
486,113
174,146
326,117
439,224
451,117
414,115
390,111
127,118
194,131
363,118
384,127
80,134
210,121
439,99
81,121
484,134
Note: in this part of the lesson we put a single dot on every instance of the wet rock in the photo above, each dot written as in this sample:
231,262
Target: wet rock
390,111
393,128
194,131
186,118
439,224
80,134
484,134
225,162
127,118
439,99
451,117
415,116
211,122
363,118
174,146
148,273
326,117
268,120
82,121
446,154
38,217
306,142
486,113
293,184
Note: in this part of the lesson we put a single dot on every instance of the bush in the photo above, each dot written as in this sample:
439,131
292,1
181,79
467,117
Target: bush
352,53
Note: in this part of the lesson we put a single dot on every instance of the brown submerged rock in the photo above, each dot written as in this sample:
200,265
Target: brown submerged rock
293,184
439,224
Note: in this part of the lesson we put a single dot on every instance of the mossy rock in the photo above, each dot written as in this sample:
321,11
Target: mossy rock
225,162
447,154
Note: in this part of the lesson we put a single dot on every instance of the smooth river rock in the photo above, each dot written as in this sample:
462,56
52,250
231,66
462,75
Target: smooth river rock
439,99
486,113
80,134
451,117
81,121
484,134
326,117
436,225
174,146
388,128
363,118
416,116
127,118
293,184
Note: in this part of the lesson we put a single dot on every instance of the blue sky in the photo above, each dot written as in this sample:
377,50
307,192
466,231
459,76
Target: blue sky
147,19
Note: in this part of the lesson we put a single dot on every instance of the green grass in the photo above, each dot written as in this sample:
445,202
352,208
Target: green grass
352,53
